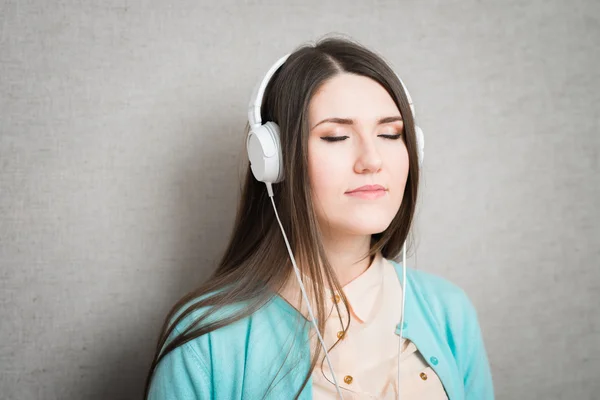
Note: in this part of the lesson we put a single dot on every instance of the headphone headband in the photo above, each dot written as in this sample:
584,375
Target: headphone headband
254,117
254,108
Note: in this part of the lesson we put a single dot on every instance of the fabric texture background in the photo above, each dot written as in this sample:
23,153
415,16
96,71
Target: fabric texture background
121,151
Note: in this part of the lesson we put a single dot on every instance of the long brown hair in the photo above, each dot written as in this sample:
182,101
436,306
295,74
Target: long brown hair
256,262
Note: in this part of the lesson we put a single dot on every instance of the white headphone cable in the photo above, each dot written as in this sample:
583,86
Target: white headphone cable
337,387
402,316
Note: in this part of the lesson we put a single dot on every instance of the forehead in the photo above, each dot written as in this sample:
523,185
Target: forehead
351,96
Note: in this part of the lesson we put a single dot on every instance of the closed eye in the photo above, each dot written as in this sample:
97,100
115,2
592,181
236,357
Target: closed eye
334,138
340,138
393,137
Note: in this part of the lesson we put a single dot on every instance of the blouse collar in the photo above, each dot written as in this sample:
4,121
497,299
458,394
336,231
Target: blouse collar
362,293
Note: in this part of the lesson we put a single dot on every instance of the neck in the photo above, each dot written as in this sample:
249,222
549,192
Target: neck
345,254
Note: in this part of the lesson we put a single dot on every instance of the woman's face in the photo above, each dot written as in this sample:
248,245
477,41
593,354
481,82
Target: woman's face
365,124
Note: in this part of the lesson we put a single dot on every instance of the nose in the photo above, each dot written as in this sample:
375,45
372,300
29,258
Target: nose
368,159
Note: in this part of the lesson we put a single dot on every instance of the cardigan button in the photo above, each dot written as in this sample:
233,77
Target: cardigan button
434,360
404,326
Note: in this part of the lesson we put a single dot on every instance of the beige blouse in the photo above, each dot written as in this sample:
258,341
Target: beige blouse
365,361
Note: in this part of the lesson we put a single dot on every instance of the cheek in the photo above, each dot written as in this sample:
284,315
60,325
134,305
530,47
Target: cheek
394,155
398,166
395,174
326,170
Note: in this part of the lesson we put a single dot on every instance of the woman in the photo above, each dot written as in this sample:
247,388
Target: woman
328,313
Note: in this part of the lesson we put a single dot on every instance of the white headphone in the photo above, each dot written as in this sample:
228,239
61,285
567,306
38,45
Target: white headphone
263,141
265,155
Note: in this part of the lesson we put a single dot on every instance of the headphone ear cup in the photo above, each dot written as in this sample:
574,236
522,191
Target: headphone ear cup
420,144
276,162
264,152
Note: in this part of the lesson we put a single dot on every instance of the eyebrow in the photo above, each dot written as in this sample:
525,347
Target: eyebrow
348,121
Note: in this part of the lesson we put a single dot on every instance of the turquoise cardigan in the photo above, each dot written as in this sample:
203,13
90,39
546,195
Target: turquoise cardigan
241,360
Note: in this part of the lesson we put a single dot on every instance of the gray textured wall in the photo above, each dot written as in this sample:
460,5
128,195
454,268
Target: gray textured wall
121,134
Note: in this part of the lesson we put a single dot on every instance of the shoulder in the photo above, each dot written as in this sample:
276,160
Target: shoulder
447,307
438,291
256,343
441,298
188,370
452,316
193,315
232,326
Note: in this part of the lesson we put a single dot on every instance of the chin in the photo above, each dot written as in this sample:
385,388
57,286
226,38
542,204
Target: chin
364,227
359,222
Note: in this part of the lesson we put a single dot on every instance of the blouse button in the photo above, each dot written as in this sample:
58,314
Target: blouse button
336,298
423,376
348,379
340,334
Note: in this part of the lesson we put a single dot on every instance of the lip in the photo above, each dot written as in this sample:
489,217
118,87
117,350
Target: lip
367,188
369,192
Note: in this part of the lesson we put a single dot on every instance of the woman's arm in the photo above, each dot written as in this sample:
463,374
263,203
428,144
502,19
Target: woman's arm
180,375
474,363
